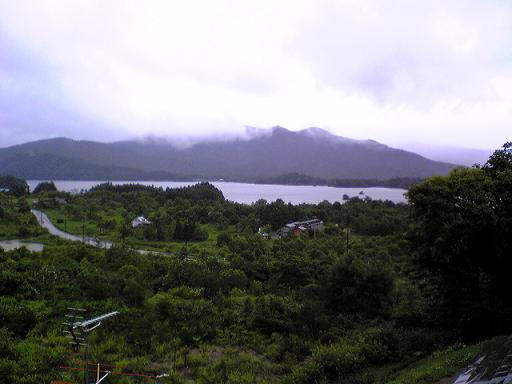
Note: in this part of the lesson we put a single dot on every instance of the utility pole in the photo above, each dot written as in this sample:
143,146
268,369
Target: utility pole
78,330
83,230
348,230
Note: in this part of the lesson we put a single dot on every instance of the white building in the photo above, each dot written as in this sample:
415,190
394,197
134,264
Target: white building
141,220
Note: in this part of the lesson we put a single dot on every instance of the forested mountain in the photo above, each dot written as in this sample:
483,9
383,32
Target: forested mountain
268,154
40,165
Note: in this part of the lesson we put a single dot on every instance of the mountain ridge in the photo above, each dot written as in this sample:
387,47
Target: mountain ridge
312,152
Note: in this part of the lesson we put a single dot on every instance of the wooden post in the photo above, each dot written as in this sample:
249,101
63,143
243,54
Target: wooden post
98,373
86,364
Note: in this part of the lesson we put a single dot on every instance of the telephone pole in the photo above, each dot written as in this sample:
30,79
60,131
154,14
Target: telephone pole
348,231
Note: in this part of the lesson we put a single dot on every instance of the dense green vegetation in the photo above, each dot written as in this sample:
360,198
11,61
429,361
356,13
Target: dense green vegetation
462,239
227,306
45,186
16,220
13,186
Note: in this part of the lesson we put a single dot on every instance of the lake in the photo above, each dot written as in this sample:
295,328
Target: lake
249,193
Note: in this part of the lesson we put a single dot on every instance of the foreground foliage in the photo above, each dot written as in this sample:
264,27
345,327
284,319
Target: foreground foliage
384,285
462,240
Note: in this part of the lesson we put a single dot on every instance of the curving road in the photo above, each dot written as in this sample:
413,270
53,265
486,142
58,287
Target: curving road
45,222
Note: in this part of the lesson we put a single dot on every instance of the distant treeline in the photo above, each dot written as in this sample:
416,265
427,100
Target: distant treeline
13,185
200,191
299,179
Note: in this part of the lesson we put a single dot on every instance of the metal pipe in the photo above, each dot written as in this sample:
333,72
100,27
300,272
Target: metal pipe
103,378
84,324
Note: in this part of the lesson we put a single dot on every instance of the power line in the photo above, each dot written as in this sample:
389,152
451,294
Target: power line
141,375
78,330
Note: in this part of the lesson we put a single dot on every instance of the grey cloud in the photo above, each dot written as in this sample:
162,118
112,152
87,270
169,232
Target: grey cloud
32,103
361,68
404,51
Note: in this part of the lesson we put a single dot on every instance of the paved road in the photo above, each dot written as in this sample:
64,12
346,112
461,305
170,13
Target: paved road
45,222
492,366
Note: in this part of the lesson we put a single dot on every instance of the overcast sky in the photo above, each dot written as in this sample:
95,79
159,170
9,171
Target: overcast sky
400,72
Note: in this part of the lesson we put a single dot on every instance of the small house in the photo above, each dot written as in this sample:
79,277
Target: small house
141,220
299,227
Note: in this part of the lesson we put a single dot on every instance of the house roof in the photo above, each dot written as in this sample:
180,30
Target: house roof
141,219
305,222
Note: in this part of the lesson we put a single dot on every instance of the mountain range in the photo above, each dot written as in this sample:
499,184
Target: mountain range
312,152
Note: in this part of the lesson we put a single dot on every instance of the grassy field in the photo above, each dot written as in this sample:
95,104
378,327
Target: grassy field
75,227
90,229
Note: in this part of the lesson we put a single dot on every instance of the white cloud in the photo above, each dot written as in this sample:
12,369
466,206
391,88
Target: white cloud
395,71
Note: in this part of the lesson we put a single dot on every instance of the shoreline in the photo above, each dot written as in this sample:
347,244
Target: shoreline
365,184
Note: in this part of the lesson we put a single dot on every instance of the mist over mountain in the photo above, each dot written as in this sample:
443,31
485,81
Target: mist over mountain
260,154
456,155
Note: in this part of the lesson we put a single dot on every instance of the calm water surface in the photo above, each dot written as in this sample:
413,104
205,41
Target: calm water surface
9,245
249,193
